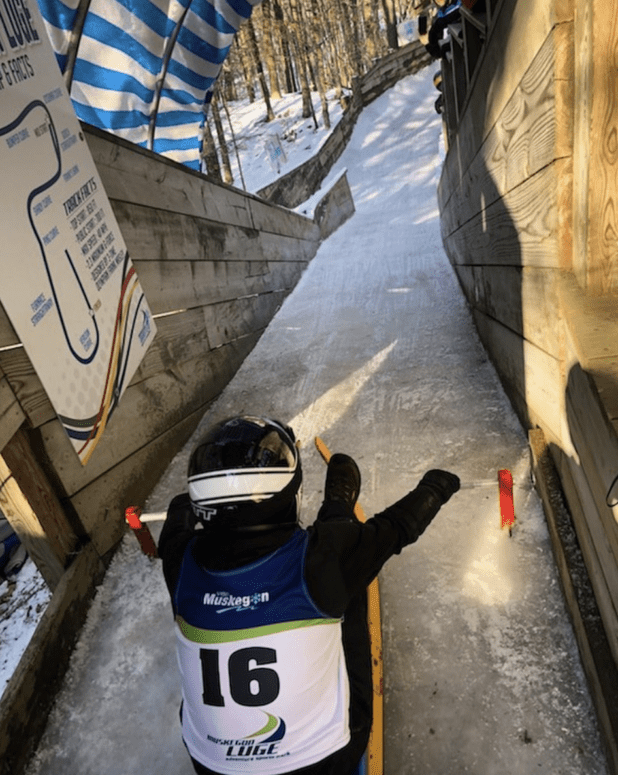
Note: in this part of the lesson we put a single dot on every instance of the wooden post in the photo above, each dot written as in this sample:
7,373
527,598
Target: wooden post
33,510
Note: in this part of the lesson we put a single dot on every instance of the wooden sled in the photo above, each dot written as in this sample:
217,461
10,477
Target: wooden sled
372,762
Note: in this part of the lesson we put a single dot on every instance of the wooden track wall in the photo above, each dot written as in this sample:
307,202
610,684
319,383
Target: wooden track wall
505,183
527,199
215,265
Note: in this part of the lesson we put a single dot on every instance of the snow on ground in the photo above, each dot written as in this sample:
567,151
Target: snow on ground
375,351
299,137
22,603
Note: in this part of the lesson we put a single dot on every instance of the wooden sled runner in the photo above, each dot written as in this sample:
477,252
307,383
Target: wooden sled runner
372,762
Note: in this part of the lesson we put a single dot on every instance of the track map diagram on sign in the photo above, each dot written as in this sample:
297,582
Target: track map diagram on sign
68,284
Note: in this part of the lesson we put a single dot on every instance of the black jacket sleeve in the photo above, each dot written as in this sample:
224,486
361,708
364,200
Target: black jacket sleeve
344,556
178,529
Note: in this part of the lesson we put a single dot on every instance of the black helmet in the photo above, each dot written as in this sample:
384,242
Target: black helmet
245,474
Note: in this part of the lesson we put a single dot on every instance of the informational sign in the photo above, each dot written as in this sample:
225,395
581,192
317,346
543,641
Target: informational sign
408,30
274,151
66,280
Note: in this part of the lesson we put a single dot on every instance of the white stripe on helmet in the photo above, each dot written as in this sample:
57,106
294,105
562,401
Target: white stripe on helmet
234,485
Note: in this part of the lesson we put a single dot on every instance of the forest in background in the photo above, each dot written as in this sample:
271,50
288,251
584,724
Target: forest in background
311,47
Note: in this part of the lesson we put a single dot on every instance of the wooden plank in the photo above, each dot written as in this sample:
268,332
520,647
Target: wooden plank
147,411
33,687
11,413
582,108
503,64
602,264
26,385
180,337
61,531
518,230
532,378
230,320
592,321
335,207
27,526
133,174
523,141
8,337
154,234
596,444
604,372
178,285
524,299
187,336
580,503
278,220
597,660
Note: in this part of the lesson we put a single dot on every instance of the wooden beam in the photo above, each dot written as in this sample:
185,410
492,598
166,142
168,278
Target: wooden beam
11,413
531,132
8,337
61,529
30,693
602,220
524,299
532,378
597,659
519,229
26,385
596,443
28,528
582,107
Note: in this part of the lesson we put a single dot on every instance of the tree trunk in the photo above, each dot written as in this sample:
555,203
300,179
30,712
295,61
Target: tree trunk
390,18
269,50
313,42
257,65
241,47
370,17
225,157
301,60
229,86
290,79
209,153
357,56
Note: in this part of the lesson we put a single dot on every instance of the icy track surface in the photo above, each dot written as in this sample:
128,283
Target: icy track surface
375,351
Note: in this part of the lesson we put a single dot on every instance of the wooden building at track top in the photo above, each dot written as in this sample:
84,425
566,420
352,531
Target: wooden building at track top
528,202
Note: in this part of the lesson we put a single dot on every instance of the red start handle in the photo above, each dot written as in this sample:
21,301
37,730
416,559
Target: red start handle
507,508
142,532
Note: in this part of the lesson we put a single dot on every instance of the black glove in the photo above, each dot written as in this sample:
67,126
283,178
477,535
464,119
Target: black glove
443,483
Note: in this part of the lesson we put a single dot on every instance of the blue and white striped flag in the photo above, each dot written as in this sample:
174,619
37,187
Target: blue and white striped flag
145,69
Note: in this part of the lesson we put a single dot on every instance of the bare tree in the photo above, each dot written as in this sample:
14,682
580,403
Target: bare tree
240,43
257,66
390,18
301,58
290,79
209,153
225,157
370,18
269,50
310,30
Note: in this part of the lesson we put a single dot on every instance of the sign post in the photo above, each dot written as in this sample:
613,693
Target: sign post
66,280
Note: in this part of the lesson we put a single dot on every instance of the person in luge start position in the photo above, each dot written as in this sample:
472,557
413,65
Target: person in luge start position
270,618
